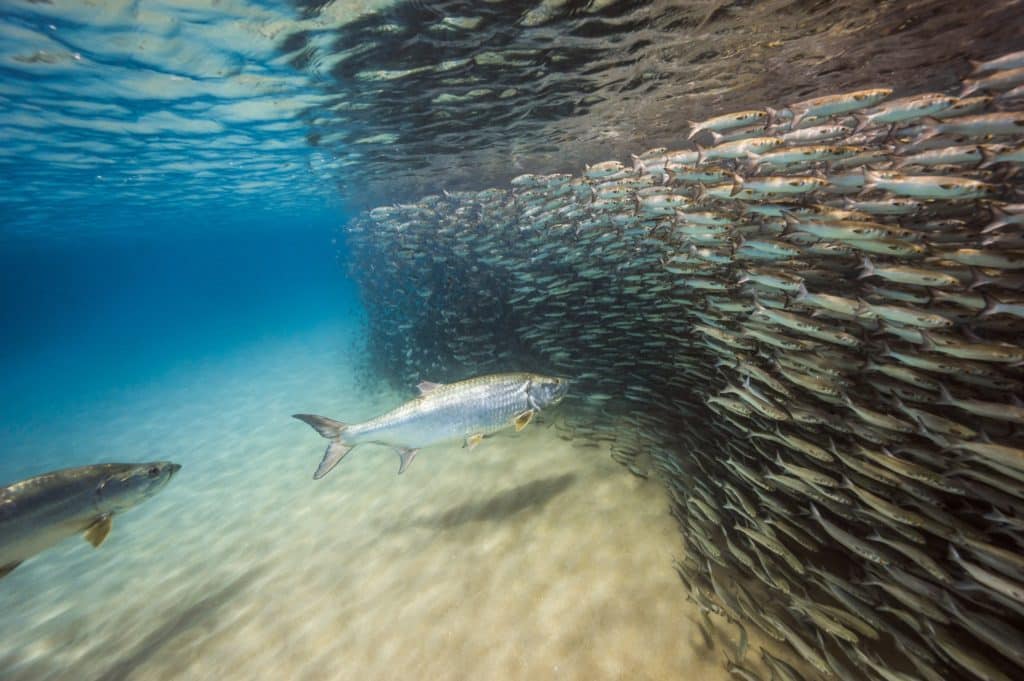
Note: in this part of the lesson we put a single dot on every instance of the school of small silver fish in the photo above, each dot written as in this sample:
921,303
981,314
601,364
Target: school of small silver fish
808,322
460,95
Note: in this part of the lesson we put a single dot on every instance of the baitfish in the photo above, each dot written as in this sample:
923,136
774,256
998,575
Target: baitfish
727,309
39,512
467,409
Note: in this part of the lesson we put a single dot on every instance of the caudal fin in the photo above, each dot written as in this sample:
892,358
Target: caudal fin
331,430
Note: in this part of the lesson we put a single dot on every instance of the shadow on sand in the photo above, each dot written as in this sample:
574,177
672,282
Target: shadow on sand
532,495
198,614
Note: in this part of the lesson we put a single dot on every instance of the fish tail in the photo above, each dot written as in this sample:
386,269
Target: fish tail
332,430
737,184
802,293
863,121
991,305
798,115
753,161
988,156
702,192
871,178
931,128
867,267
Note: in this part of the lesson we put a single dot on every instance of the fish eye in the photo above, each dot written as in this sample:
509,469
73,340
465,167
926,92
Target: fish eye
153,471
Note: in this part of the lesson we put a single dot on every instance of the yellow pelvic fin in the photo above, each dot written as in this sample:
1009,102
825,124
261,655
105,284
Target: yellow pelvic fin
523,419
474,440
99,530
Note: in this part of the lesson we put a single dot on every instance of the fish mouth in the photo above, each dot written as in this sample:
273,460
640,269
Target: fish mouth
173,468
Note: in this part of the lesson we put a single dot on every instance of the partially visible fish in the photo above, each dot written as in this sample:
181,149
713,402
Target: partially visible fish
39,512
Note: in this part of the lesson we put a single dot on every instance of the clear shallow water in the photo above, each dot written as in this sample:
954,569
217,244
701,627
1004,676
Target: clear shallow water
169,286
513,560
170,193
140,114
85,319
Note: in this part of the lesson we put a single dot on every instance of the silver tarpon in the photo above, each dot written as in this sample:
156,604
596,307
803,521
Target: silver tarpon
39,512
466,410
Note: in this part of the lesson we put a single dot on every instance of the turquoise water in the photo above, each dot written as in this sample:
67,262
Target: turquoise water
512,560
216,215
170,288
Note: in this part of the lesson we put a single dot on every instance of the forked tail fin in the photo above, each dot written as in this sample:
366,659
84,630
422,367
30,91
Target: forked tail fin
331,430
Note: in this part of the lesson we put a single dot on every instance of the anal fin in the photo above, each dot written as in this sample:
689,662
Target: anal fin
98,531
522,420
405,458
7,569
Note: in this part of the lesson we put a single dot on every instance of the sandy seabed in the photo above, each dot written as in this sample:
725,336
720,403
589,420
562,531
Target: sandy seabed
524,558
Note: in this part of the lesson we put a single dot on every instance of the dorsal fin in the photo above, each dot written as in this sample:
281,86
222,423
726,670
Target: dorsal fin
427,387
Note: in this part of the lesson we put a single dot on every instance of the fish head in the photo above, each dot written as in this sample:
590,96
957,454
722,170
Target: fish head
546,391
130,484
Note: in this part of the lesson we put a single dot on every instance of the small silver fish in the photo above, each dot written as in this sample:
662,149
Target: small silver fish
830,105
728,121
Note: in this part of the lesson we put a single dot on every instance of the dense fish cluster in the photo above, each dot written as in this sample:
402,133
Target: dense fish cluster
457,94
806,321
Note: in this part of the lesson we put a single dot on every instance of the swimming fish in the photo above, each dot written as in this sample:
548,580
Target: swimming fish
808,330
468,409
41,511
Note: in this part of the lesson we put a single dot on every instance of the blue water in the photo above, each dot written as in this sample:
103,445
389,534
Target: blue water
196,345
88,317
171,287
174,285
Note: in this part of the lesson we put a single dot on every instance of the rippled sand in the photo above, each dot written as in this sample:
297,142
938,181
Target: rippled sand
524,558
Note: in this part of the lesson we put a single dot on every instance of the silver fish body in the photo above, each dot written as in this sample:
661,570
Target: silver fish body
41,511
466,410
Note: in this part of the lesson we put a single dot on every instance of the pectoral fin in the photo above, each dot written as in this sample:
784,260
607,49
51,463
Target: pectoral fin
523,419
474,440
99,530
7,569
406,456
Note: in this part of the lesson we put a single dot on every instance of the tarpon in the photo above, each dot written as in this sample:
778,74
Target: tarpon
39,512
466,410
